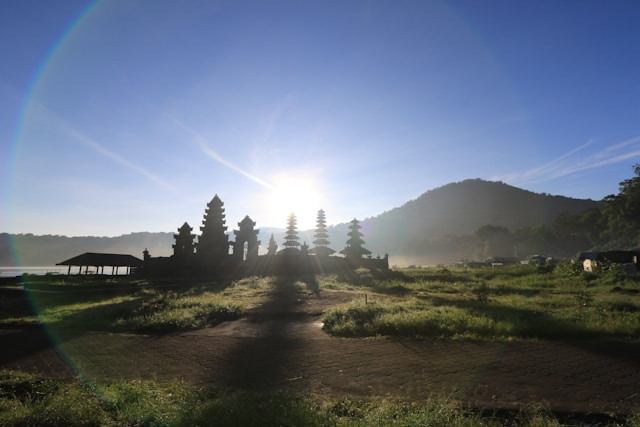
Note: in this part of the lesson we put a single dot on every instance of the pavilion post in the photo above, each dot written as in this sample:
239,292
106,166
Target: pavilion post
69,270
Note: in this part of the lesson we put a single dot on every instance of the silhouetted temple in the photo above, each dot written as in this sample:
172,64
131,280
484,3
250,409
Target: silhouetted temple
214,254
184,246
354,249
321,243
213,244
246,244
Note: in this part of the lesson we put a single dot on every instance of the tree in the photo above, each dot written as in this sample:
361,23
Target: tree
527,241
575,233
273,246
495,241
291,238
354,250
321,243
622,214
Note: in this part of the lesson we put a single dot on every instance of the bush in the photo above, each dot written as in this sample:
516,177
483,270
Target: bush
568,269
353,320
169,311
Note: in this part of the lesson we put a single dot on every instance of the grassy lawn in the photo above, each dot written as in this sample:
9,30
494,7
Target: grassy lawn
502,303
29,400
505,303
138,307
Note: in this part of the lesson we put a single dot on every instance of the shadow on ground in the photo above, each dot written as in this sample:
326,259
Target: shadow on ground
258,363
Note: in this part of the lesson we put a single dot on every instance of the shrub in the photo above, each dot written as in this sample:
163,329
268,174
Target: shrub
567,269
353,320
169,311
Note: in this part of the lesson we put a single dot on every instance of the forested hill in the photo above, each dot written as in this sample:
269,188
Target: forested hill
435,227
460,208
417,229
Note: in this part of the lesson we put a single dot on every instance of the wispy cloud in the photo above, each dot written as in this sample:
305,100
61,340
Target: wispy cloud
203,143
48,116
577,160
103,151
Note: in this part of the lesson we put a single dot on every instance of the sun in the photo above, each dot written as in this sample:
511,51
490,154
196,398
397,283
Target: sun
298,194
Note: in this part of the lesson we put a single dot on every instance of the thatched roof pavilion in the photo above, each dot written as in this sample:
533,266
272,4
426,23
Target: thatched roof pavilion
98,260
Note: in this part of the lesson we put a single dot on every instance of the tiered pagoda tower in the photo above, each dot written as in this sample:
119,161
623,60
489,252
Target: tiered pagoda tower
321,243
291,239
213,244
354,250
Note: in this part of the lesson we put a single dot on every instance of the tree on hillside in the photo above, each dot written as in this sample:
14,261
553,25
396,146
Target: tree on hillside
494,241
622,214
576,233
616,225
291,240
321,243
354,250
273,246
529,241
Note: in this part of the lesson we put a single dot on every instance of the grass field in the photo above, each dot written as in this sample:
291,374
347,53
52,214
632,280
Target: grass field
502,303
506,303
138,307
29,400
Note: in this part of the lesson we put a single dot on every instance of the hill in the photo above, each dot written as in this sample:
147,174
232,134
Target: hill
429,228
437,227
48,250
434,228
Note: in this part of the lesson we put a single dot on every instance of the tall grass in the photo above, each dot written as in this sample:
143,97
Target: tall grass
170,311
28,400
502,303
153,309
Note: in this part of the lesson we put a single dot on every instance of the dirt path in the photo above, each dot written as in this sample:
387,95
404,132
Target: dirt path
281,345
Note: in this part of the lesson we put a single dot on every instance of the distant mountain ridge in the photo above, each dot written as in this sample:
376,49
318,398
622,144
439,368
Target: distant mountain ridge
47,250
411,233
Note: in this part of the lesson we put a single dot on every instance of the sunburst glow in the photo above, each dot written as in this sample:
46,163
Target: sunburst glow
298,194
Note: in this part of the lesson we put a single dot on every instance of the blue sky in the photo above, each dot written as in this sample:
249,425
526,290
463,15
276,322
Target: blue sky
119,116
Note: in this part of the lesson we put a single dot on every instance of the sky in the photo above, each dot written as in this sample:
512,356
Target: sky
125,116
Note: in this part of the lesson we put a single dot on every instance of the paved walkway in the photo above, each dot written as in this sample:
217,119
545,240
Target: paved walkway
281,346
